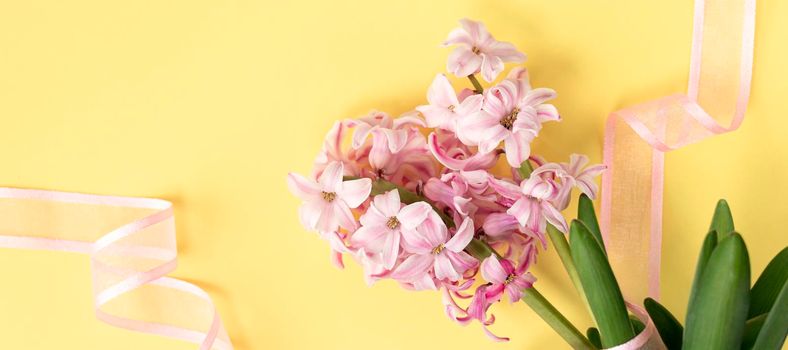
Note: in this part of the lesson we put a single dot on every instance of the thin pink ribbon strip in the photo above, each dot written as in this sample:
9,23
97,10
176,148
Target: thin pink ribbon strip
131,244
632,196
637,137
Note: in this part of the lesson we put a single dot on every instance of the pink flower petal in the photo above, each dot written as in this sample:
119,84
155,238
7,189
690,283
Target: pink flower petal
547,112
388,203
437,117
309,213
369,237
588,187
343,216
470,104
493,336
414,267
409,119
331,177
497,224
491,66
360,134
438,191
462,237
471,129
303,188
396,139
373,216
441,93
521,210
328,219
458,36
391,249
513,292
463,62
355,192
505,188
554,217
538,96
444,269
414,242
476,30
506,51
336,259
434,230
492,137
518,148
461,261
412,215
492,271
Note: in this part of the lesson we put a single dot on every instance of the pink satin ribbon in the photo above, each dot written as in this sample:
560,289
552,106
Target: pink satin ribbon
131,244
637,137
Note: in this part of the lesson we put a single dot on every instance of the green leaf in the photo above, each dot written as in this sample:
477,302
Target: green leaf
705,253
564,253
593,336
768,285
775,327
586,214
525,169
669,328
637,324
600,286
715,319
555,319
722,222
751,329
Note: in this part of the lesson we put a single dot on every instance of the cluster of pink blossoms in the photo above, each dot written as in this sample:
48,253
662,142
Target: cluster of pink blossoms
356,196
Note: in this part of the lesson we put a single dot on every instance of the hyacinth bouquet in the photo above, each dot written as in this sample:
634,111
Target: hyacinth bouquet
413,198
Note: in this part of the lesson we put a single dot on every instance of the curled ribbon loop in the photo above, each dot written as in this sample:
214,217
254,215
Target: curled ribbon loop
637,137
131,244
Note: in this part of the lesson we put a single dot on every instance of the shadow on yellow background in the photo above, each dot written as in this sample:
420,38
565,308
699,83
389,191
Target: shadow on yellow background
209,104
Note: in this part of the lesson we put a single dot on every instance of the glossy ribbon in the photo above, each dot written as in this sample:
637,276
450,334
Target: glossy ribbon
131,244
637,137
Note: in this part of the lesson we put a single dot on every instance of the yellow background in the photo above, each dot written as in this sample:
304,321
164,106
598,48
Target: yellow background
210,103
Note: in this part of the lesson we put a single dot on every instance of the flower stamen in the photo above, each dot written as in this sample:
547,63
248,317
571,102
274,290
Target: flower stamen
329,196
508,121
451,107
509,279
392,223
476,50
437,250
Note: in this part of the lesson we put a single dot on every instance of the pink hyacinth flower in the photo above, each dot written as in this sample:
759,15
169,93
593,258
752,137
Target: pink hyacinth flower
394,131
573,174
531,208
327,201
504,277
477,310
433,251
455,155
383,224
445,108
512,113
478,51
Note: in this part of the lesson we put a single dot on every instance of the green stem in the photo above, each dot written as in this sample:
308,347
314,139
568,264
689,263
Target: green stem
525,169
562,248
555,319
476,85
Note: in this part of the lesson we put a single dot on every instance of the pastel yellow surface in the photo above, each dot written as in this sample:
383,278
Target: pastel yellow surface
209,104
